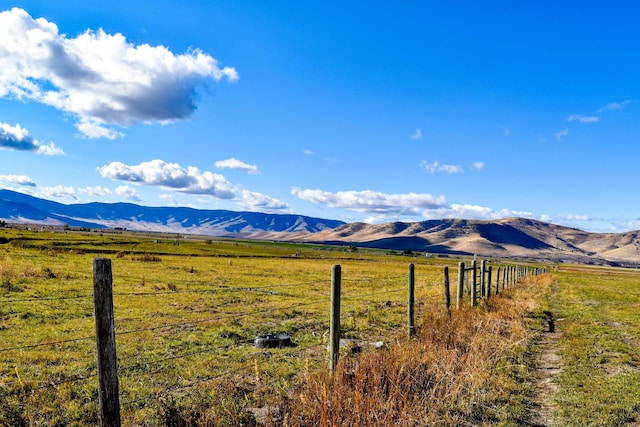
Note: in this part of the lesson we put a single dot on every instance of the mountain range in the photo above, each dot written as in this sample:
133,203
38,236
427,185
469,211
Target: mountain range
519,238
22,208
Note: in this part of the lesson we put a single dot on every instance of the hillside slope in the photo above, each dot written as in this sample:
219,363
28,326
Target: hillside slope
506,238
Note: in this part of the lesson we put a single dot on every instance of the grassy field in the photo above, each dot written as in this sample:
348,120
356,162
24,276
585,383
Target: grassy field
187,311
599,317
186,317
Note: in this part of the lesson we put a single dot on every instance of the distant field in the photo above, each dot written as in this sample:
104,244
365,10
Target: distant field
187,312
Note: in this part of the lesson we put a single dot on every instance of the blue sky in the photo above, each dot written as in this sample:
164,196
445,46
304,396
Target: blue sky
360,111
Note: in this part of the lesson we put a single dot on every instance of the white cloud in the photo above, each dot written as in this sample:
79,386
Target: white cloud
188,180
233,163
90,129
615,106
18,138
583,119
58,192
308,152
381,207
128,193
477,166
561,134
169,199
371,202
100,78
21,180
253,201
417,134
467,211
96,191
434,167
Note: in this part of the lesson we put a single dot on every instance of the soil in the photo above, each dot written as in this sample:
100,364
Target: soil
548,366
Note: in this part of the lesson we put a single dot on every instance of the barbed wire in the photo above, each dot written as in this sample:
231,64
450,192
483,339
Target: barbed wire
47,343
221,316
193,383
32,299
372,278
386,292
209,289
51,385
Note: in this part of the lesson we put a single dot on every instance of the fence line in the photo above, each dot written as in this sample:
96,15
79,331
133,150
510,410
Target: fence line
481,275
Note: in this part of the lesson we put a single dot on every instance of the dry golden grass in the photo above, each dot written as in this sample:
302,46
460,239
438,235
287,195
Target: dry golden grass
467,370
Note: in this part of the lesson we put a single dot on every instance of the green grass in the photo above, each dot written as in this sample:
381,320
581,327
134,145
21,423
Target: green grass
186,316
600,347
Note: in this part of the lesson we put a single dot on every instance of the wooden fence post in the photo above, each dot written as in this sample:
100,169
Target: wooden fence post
488,283
483,282
447,294
474,277
498,280
460,293
411,300
108,393
334,328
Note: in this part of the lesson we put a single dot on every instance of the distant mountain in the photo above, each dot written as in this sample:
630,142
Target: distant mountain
518,238
18,207
506,238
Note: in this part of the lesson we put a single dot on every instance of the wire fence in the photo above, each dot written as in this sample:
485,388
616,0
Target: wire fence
165,351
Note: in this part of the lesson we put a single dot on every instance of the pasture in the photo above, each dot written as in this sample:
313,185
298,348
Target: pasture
187,311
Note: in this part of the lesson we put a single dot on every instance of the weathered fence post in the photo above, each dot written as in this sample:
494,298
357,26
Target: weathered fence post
108,393
334,328
488,282
460,292
498,280
483,283
474,278
411,300
447,294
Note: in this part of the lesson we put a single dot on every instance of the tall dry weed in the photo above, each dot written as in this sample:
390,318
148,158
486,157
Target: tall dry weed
467,370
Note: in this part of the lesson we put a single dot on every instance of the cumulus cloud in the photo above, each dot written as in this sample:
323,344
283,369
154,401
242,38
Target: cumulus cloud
433,167
21,180
18,138
233,163
253,201
188,180
58,192
417,134
128,193
468,211
102,79
583,119
97,191
371,202
381,207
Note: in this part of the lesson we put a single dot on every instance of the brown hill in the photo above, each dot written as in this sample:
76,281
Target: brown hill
506,238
